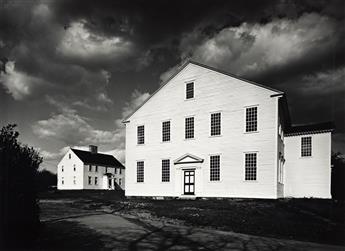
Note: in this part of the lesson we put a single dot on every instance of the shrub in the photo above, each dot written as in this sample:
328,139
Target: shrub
19,212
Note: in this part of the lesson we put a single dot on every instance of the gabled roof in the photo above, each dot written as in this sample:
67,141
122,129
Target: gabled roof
310,129
97,158
204,66
187,159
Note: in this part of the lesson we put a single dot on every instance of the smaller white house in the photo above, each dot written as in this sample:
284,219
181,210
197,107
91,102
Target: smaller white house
91,170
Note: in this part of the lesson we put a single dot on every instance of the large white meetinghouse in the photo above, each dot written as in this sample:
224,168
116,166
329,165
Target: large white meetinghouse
208,133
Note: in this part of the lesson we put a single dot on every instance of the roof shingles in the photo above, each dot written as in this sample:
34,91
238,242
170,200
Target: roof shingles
97,158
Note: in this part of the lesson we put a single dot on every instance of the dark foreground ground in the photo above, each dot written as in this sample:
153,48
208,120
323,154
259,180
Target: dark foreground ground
312,220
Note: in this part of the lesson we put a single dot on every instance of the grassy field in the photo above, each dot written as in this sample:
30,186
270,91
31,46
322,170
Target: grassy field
299,219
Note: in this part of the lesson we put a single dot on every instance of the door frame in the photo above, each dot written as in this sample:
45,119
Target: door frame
189,184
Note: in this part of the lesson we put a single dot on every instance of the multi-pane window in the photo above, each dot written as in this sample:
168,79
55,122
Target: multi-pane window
214,167
215,123
189,90
90,168
115,170
74,169
90,180
62,169
250,166
140,135
166,131
189,128
96,168
62,181
305,146
120,170
251,119
96,180
140,171
165,170
69,155
74,181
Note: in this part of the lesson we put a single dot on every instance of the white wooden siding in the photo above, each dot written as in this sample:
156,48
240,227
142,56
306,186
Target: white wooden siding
308,176
213,92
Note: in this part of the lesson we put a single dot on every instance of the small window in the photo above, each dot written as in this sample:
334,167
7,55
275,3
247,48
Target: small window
189,128
165,170
120,182
166,131
90,180
106,169
96,168
141,135
140,171
69,156
62,168
250,166
189,90
215,124
62,181
96,180
74,181
120,170
306,146
214,167
251,119
74,168
115,170
90,168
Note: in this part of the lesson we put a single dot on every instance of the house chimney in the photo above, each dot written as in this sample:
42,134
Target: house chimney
93,149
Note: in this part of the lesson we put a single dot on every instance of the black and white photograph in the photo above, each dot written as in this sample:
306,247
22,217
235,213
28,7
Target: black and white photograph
172,125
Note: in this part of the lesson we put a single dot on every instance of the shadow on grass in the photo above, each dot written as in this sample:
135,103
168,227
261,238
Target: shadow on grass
67,235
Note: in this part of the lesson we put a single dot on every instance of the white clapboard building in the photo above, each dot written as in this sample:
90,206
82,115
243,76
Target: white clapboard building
208,133
79,170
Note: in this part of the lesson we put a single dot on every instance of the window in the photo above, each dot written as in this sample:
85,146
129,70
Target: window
96,180
106,169
96,168
189,90
74,181
74,169
69,155
120,182
305,146
90,168
251,119
115,170
166,131
214,167
165,170
189,128
140,171
250,166
120,170
62,169
141,135
90,180
215,123
62,181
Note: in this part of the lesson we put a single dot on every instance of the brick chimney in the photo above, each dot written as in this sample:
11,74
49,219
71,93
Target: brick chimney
93,149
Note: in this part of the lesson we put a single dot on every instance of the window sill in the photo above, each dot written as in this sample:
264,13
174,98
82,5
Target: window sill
215,181
188,99
215,136
250,132
250,181
189,139
140,144
163,142
306,157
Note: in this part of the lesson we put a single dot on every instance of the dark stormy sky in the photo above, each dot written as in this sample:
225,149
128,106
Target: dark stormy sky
71,70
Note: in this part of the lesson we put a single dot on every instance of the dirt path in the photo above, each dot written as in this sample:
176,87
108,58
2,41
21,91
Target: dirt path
124,232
